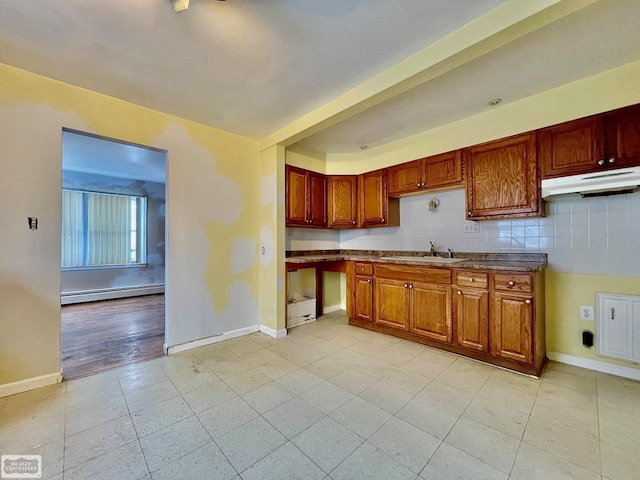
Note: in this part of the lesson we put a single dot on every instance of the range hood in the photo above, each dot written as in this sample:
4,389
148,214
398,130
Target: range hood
623,180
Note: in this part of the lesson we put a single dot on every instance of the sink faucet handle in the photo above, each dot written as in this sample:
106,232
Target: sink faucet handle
432,250
450,253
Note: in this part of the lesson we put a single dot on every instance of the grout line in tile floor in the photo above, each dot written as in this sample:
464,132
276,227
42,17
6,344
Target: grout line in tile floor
301,347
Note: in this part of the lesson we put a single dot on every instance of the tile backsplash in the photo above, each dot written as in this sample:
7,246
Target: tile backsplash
591,236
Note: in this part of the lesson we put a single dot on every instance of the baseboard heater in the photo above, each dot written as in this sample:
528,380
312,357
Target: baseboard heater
83,296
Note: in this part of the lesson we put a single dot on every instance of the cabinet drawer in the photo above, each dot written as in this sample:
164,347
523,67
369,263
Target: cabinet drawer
513,282
472,279
364,269
418,273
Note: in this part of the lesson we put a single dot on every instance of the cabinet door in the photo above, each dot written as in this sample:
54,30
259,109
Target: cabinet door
372,198
471,319
431,311
343,201
623,137
391,299
296,189
405,178
511,327
317,204
572,148
364,298
443,170
502,179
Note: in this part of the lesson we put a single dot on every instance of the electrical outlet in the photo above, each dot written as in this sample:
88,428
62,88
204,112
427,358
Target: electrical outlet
471,227
587,313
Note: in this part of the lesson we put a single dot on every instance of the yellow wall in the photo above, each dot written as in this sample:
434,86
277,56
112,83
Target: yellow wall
307,158
609,90
565,292
213,261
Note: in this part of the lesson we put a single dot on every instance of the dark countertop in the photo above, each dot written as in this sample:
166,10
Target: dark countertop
519,262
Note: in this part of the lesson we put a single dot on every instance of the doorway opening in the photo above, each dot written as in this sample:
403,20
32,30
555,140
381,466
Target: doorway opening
113,253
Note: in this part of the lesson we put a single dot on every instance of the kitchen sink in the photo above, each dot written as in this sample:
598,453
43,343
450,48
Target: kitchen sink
427,259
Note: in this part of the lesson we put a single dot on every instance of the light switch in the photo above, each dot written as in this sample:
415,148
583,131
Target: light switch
33,223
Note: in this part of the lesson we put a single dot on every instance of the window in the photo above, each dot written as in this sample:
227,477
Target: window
102,229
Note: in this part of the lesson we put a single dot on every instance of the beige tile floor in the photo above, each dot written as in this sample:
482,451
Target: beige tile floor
329,401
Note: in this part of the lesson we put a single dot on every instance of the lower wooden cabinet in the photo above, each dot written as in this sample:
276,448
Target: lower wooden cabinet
511,327
391,303
431,311
471,315
363,287
493,316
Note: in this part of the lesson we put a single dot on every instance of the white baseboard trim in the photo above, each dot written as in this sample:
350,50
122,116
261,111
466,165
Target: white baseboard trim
109,294
29,384
181,347
596,365
332,308
273,333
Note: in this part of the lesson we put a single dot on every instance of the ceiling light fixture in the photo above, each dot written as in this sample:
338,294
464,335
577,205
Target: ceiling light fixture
494,102
182,5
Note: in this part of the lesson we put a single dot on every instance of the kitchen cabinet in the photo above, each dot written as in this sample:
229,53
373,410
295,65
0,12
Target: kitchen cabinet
414,299
363,291
375,206
343,200
512,320
306,195
502,179
471,310
438,171
496,316
591,144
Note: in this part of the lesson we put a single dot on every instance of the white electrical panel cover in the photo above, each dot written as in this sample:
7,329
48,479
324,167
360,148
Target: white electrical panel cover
618,326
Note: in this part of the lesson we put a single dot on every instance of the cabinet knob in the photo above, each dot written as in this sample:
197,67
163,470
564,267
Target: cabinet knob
362,269
511,283
471,279
459,292
612,160
410,285
419,184
406,285
600,162
353,222
368,280
528,301
469,214
383,220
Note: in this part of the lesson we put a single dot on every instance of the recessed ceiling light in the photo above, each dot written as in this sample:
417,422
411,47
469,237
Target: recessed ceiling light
364,147
495,101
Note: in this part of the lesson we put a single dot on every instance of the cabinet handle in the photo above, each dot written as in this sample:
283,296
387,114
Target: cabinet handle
469,214
612,160
471,279
511,283
459,292
528,301
601,162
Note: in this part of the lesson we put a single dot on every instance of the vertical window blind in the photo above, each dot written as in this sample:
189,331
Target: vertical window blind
102,229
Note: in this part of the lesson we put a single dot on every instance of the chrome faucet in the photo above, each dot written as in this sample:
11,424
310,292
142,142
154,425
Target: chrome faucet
450,253
432,250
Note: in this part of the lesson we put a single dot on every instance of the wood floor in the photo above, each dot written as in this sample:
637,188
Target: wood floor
98,336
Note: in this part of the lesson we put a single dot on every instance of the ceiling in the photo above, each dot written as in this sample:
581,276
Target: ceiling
90,154
254,66
245,66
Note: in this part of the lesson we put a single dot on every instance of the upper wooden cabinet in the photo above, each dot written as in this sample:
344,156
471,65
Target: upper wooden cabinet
343,200
600,142
306,195
375,206
439,171
502,179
